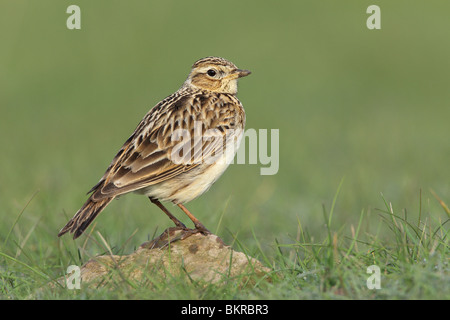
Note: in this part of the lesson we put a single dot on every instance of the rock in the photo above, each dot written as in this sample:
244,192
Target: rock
198,257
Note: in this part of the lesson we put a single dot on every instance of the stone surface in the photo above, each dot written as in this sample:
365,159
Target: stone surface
199,257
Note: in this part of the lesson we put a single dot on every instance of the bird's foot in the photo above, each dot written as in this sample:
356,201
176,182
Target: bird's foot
173,234
189,232
169,236
200,228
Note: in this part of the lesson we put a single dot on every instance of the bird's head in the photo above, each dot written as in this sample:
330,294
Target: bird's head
215,74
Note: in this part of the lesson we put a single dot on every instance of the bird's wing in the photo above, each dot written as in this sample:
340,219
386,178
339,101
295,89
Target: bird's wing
177,135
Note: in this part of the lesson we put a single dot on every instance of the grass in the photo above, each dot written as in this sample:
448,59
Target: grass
370,106
412,257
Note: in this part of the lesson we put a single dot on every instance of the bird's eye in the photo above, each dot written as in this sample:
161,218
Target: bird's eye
211,72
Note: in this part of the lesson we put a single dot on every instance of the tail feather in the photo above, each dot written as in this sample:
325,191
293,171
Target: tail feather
84,217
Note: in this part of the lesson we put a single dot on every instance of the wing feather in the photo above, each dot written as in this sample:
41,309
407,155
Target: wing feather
146,158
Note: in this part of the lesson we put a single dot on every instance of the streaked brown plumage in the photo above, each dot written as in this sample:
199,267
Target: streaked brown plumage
158,162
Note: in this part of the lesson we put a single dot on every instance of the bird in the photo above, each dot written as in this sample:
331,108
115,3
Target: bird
178,150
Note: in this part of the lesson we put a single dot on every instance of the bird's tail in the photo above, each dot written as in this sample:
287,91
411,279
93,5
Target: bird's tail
84,217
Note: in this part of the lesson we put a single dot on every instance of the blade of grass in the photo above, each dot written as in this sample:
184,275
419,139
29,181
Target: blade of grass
222,214
24,241
333,204
442,203
356,234
18,217
25,265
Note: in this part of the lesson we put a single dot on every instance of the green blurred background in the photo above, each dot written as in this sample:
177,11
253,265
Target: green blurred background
367,106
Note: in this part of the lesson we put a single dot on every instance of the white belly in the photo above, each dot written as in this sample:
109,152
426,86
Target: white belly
188,186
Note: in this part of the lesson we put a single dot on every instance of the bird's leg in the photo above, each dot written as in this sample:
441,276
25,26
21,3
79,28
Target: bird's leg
199,227
177,222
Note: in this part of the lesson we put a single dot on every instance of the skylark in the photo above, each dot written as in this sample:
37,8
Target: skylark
179,149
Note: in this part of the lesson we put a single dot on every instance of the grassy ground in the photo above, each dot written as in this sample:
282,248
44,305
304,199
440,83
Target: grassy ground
412,262
364,150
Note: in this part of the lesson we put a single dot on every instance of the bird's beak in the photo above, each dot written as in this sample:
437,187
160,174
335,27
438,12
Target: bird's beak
241,73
